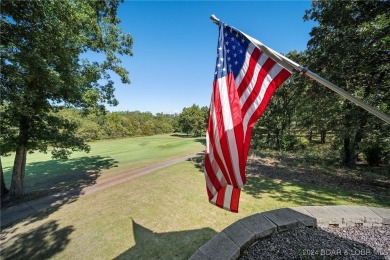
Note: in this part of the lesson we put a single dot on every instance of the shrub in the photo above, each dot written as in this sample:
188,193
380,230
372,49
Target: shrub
288,142
303,143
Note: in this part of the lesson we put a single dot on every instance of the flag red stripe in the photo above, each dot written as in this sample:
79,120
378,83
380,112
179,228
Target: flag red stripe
220,197
223,136
249,73
235,110
259,82
247,144
211,130
211,174
235,200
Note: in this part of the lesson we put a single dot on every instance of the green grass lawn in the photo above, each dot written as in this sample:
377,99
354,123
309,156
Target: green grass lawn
45,175
162,215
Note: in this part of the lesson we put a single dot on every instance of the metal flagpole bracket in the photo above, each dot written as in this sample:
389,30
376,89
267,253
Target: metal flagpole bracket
214,19
303,70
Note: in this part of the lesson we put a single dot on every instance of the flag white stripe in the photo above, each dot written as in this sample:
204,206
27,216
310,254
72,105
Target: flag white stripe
209,184
209,151
228,197
218,171
245,65
268,79
220,175
208,146
229,129
214,199
217,138
252,84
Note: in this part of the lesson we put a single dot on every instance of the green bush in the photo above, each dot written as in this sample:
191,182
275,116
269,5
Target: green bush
288,142
303,143
291,142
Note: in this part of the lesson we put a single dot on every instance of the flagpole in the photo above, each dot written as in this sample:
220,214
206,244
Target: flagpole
291,65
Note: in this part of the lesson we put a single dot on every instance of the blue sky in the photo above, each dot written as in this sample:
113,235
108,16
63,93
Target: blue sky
175,46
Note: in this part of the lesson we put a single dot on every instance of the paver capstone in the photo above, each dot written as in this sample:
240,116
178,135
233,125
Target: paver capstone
281,218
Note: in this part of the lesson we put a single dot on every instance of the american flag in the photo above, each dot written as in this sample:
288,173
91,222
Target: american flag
245,79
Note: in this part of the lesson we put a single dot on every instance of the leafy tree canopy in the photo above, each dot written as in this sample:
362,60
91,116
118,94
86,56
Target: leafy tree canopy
193,120
41,44
350,47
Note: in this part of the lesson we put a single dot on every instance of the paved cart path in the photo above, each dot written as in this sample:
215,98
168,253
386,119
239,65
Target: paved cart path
26,209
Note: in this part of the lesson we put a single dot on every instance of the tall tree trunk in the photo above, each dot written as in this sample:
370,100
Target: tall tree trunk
351,145
277,139
323,136
349,153
4,189
349,158
17,182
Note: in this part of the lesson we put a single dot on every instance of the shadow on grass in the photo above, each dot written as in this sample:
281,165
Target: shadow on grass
51,184
198,161
53,176
289,184
181,135
169,245
41,243
201,140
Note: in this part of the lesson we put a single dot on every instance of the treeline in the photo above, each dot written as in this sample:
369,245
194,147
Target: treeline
110,125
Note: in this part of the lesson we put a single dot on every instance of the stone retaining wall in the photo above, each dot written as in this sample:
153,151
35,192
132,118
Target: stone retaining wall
233,240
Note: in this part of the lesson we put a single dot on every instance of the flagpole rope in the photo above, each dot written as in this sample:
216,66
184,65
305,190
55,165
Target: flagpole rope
291,65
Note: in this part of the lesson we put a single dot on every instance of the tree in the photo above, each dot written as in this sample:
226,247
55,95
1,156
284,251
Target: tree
192,120
316,105
350,47
163,123
41,44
